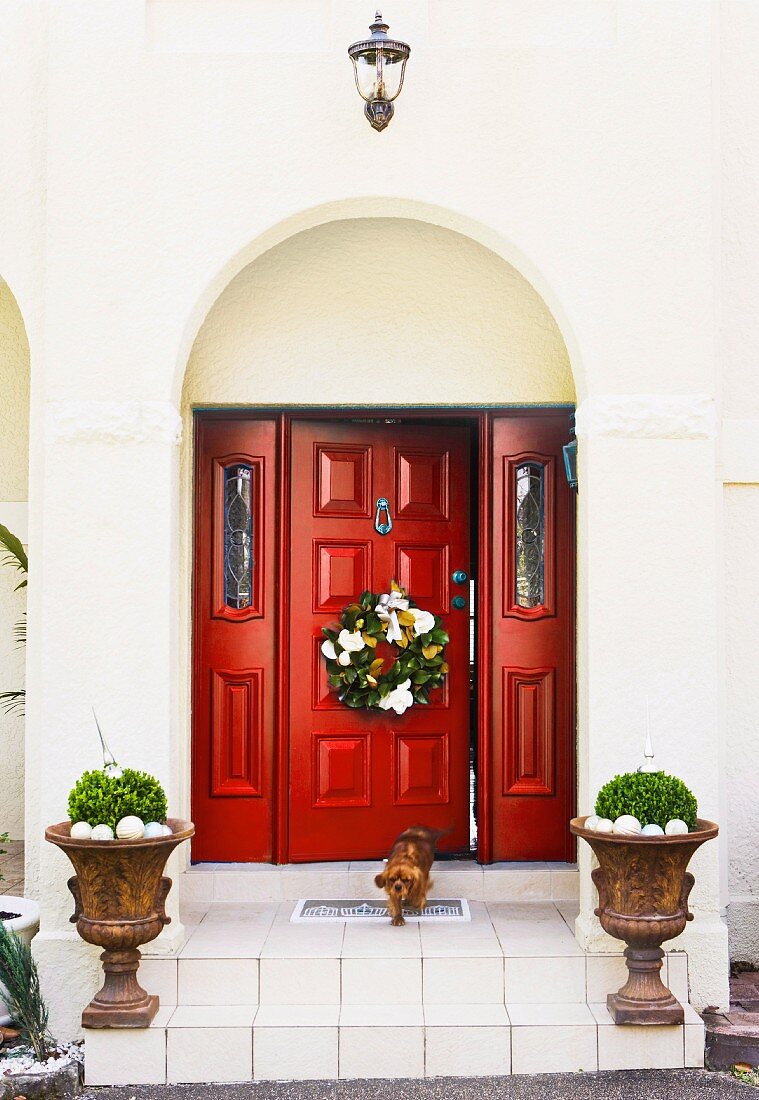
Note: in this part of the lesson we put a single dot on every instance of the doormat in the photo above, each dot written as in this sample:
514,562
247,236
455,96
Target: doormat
440,911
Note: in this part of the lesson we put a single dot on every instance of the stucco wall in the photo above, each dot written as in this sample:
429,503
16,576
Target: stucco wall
14,464
739,354
450,322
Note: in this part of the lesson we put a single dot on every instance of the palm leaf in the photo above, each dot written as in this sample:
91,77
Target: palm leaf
13,701
13,553
19,631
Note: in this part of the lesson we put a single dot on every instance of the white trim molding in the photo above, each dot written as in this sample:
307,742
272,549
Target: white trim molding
647,416
14,514
113,422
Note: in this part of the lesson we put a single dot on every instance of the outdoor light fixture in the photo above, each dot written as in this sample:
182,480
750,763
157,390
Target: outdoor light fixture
570,463
379,63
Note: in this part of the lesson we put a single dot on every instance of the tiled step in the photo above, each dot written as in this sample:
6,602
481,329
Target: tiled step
253,996
260,882
252,954
306,1042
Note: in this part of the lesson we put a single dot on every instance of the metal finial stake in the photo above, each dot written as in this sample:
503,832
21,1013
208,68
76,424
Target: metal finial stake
110,767
648,749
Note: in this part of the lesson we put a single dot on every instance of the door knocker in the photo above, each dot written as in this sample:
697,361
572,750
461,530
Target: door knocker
383,506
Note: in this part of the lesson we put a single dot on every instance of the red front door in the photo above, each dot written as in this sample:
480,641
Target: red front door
359,777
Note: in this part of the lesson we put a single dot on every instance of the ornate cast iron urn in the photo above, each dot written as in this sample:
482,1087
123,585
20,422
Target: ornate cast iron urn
119,895
379,64
643,889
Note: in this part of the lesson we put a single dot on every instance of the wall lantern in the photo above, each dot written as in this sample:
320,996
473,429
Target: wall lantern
570,463
379,63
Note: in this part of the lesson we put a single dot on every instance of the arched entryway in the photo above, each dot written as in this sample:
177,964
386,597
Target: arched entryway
461,354
14,494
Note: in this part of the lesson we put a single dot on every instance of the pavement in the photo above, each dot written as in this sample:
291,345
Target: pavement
628,1085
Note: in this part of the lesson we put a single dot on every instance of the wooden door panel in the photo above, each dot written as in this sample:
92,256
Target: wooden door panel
358,778
533,727
233,646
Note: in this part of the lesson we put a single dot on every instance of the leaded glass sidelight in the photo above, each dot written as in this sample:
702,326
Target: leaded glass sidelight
238,536
530,535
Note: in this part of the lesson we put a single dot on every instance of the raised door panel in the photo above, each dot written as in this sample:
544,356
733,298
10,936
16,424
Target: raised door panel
421,483
424,571
340,769
236,730
342,571
421,768
342,480
529,717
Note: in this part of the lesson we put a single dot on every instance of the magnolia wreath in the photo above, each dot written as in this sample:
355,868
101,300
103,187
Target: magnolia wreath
365,680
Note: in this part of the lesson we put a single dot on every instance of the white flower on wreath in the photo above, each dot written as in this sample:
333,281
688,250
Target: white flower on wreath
399,699
328,649
354,642
344,659
424,621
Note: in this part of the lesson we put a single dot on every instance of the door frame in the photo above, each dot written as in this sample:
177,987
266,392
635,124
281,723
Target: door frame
480,418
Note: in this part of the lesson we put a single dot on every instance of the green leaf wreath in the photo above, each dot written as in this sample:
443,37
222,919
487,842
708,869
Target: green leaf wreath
362,679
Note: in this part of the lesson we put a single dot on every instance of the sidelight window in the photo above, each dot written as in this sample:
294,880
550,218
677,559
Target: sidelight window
530,535
238,536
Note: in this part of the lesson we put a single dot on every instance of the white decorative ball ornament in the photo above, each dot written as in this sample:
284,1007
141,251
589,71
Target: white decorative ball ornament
675,827
153,829
627,825
102,832
167,830
652,830
604,825
80,830
592,821
130,828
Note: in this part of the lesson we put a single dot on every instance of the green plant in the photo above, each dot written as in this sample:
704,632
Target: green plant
101,799
12,553
23,995
652,797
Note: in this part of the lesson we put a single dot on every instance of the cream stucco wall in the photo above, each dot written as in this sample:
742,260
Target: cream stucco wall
14,464
307,322
738,355
151,150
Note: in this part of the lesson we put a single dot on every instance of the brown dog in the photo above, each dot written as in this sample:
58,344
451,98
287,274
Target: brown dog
406,877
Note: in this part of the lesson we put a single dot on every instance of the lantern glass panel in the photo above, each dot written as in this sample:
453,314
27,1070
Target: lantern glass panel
379,73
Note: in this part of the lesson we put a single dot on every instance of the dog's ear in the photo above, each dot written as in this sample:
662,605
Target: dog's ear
380,880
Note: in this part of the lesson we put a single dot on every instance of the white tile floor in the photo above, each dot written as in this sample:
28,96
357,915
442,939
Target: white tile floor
253,997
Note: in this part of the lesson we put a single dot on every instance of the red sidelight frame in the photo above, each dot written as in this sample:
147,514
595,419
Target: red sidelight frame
479,420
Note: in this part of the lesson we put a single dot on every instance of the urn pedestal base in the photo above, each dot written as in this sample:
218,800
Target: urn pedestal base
644,998
122,1002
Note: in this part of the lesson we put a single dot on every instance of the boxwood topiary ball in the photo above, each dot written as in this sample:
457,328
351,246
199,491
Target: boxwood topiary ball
99,798
652,797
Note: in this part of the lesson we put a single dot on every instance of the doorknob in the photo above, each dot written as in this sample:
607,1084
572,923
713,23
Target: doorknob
459,577
458,602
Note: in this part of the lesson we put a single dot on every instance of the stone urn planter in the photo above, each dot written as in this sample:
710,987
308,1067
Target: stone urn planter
25,923
119,904
643,887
